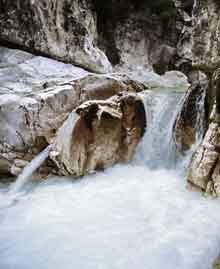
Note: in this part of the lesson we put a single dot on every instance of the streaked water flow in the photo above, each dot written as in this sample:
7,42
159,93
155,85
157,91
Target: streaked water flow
157,149
28,171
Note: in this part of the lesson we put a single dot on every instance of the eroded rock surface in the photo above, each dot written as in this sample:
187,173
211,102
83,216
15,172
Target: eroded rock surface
65,30
99,134
191,120
204,170
37,94
205,158
36,97
97,35
206,35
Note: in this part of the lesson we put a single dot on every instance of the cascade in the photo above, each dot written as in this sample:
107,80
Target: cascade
138,215
157,149
28,171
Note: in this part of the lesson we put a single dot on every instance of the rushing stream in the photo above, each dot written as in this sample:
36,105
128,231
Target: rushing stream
138,215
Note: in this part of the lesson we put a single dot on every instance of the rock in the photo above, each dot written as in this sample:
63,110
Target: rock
64,30
23,73
36,97
163,59
146,40
205,158
204,167
150,80
37,94
206,35
175,79
131,33
99,134
191,120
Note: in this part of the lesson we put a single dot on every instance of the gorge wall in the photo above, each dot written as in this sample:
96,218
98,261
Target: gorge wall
99,35
204,169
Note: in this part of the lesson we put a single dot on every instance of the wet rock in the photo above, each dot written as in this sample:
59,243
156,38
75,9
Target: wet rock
204,169
190,123
99,134
205,159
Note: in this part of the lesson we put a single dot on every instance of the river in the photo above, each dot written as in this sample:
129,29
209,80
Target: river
140,215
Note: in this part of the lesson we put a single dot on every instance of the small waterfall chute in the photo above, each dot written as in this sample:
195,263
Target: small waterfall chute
28,171
157,149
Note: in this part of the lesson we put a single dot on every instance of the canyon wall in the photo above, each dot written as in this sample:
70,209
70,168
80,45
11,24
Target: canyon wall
98,35
204,169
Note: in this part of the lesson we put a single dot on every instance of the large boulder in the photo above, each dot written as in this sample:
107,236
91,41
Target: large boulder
36,96
99,134
65,30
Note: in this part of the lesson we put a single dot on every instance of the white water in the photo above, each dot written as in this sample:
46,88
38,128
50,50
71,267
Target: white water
28,171
127,217
157,148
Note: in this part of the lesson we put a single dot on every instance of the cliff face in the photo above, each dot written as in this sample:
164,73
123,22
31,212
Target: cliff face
204,169
63,29
206,35
98,34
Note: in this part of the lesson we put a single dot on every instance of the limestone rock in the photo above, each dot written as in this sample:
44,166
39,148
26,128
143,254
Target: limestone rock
130,33
206,35
36,96
64,30
99,134
145,40
205,159
171,79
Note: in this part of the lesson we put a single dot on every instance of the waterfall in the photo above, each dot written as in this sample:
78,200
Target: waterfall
157,149
28,171
200,116
137,215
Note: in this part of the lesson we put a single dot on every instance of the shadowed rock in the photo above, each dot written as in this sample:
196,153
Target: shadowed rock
191,120
99,134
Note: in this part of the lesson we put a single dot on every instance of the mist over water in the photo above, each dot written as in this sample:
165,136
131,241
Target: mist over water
138,215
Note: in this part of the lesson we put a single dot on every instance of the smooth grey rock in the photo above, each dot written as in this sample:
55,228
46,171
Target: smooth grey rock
38,102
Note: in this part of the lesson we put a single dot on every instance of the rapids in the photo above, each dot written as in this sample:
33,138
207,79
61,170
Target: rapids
139,215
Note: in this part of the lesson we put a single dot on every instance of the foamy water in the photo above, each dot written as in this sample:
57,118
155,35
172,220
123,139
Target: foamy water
127,217
130,216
